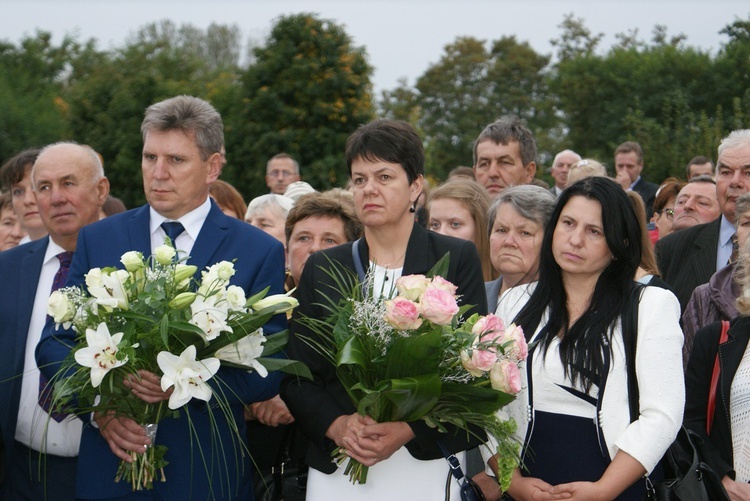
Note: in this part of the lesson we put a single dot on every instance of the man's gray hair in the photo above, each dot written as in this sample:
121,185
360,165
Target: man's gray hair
563,152
190,115
530,201
740,137
508,129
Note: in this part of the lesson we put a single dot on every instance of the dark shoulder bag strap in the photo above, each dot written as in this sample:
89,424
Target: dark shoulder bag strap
630,341
358,261
715,378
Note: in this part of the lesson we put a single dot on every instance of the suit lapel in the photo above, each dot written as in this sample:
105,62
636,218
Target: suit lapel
139,231
706,261
31,265
417,250
213,233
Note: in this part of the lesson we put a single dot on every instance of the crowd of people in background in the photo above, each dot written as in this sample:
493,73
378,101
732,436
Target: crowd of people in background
561,261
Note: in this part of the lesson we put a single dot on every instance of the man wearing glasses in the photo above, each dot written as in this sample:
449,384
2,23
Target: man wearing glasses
281,171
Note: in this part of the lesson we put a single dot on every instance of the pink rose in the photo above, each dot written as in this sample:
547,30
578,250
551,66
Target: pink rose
469,364
484,360
438,306
518,348
439,282
506,377
489,328
412,286
402,313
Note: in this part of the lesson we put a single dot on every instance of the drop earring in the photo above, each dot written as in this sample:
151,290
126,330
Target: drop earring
413,207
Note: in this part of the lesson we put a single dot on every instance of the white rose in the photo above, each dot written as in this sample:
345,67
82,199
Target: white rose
224,270
164,254
59,308
236,297
132,260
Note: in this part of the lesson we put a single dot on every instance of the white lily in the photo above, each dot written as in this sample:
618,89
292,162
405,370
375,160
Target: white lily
111,292
187,375
209,316
285,302
245,352
101,353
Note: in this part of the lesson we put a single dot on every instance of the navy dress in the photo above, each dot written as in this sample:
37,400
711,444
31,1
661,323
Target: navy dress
564,443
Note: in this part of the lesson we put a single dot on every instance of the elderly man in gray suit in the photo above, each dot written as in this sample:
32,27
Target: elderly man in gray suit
689,257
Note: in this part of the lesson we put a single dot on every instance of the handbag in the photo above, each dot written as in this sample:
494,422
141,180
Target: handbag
470,491
687,476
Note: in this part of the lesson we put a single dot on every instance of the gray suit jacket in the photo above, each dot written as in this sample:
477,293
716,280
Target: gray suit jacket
492,289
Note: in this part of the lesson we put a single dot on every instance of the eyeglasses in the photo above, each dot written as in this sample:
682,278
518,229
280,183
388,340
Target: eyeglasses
282,173
668,212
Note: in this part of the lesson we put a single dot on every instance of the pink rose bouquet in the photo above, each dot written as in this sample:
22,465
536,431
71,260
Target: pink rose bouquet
414,357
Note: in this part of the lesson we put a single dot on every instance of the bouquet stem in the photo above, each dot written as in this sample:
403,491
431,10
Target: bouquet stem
357,471
142,472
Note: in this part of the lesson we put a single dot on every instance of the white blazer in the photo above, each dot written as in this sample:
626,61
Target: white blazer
658,368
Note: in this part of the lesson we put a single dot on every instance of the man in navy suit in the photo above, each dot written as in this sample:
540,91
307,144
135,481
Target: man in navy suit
40,453
183,137
628,167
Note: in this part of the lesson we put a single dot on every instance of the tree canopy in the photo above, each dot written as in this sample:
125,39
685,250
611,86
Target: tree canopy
306,87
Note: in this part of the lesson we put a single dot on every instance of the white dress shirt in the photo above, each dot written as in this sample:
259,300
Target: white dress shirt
34,428
192,222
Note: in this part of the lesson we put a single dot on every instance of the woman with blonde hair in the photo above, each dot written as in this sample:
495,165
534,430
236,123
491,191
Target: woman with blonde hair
459,209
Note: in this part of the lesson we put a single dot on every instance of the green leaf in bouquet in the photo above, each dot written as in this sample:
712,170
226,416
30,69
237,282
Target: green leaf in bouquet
352,353
186,327
417,354
484,399
370,402
252,323
257,297
441,267
164,330
293,367
408,399
275,342
341,329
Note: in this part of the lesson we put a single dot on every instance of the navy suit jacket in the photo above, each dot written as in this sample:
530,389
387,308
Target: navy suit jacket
19,275
201,465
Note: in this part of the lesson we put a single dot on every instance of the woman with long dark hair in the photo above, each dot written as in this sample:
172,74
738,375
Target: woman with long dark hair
574,421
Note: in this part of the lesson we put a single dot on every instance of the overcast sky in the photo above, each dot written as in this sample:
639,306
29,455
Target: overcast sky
402,37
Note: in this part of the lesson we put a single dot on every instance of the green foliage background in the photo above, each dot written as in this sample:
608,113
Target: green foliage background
306,87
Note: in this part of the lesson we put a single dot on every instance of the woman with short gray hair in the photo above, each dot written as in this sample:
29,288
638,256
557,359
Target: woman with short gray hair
517,220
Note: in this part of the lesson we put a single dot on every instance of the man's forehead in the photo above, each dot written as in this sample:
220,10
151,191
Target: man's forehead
281,163
489,145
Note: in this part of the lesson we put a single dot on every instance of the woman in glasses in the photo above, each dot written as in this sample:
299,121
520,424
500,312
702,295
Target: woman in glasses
664,206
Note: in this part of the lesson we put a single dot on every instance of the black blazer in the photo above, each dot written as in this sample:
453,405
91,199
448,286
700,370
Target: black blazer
718,445
317,404
647,191
687,258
